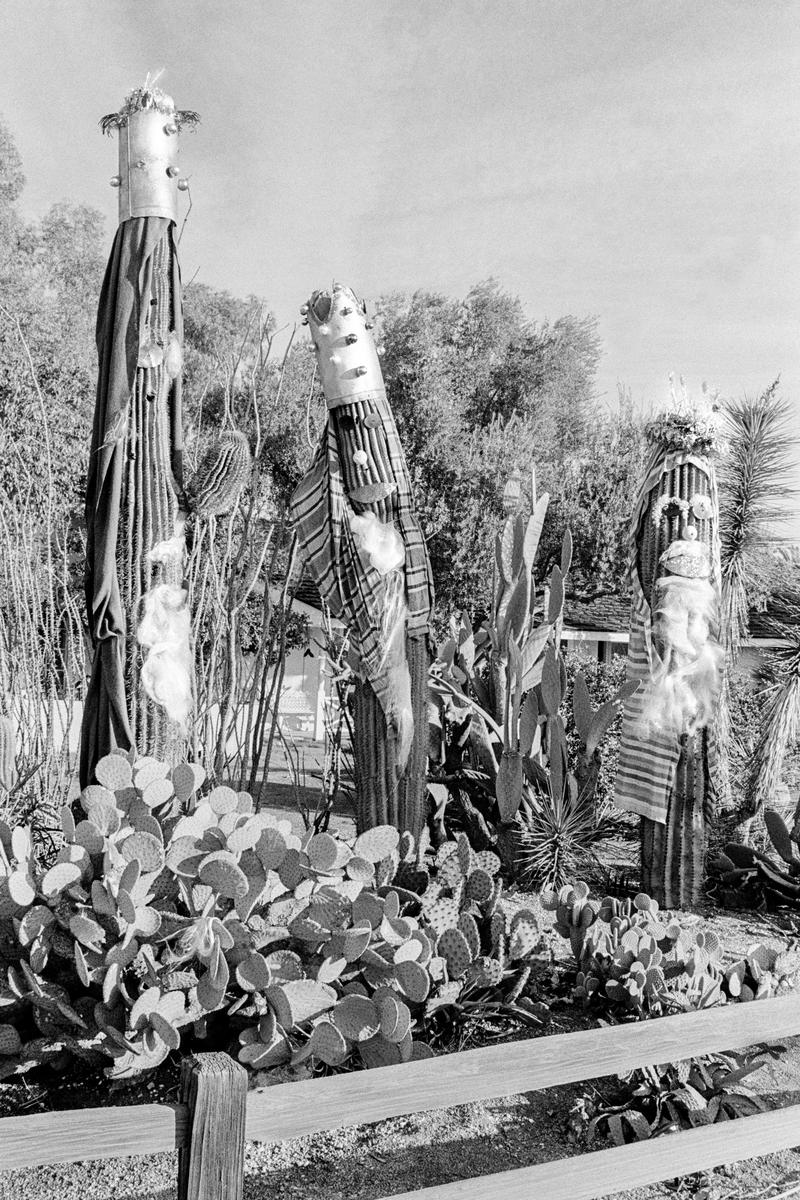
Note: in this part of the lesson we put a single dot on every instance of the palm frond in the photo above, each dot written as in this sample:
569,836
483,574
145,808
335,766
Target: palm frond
755,501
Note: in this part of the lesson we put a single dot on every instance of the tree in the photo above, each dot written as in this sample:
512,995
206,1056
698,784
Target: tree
478,390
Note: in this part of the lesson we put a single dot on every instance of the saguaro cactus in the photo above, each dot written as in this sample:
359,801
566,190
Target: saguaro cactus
363,546
140,690
667,760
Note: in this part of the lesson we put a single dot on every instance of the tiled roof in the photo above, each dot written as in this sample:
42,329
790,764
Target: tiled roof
603,614
611,613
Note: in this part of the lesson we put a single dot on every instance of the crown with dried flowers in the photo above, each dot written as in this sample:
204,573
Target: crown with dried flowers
149,96
689,426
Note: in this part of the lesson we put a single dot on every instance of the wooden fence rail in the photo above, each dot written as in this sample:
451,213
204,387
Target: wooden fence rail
312,1106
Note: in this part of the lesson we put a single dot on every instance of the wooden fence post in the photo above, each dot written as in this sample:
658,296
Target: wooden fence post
211,1166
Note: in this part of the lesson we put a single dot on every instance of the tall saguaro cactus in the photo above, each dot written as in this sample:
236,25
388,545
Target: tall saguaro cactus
364,548
667,761
140,690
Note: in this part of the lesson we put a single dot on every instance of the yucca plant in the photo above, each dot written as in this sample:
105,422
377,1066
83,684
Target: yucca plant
755,488
780,724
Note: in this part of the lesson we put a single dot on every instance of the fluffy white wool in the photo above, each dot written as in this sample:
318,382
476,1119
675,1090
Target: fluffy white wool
379,540
165,632
684,688
173,357
173,549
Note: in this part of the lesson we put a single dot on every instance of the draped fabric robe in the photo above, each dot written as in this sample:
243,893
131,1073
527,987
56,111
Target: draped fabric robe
322,508
134,485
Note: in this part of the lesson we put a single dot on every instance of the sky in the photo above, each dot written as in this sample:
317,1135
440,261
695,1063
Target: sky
637,160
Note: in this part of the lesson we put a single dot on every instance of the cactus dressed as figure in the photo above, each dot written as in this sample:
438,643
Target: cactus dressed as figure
363,546
140,692
667,758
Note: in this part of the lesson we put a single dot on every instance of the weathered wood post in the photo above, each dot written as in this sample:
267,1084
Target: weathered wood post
667,758
211,1166
140,691
362,544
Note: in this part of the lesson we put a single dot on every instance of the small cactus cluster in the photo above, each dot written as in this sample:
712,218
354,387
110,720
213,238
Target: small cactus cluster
482,938
633,957
575,913
745,872
166,910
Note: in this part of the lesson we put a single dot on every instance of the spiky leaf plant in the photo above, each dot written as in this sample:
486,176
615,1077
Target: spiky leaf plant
755,488
754,475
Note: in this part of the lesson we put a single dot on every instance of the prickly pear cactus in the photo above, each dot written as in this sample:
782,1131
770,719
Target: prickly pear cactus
498,693
631,957
165,912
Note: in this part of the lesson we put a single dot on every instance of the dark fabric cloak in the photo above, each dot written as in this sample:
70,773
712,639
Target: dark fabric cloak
123,315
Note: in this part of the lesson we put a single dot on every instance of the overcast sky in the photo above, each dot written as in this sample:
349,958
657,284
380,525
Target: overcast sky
634,159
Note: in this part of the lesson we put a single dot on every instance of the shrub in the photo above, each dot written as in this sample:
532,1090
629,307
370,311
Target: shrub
167,918
604,682
651,1101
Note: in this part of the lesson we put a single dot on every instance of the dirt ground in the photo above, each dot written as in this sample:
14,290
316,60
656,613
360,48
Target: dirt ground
370,1162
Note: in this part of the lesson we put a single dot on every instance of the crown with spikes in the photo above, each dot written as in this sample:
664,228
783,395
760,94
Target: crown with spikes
148,96
148,125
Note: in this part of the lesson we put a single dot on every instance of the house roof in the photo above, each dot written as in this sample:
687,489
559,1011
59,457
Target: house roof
611,613
602,614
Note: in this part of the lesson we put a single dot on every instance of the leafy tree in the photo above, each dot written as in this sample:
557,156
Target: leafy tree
477,391
594,492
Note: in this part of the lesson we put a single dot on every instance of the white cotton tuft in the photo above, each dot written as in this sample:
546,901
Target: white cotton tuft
379,540
173,357
172,550
165,632
684,688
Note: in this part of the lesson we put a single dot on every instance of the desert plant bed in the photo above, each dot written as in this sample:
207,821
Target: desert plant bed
419,1149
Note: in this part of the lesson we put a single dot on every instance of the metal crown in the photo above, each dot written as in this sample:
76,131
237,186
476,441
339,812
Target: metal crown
347,358
148,167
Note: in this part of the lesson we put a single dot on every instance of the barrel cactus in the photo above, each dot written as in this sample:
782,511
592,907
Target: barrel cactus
221,475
